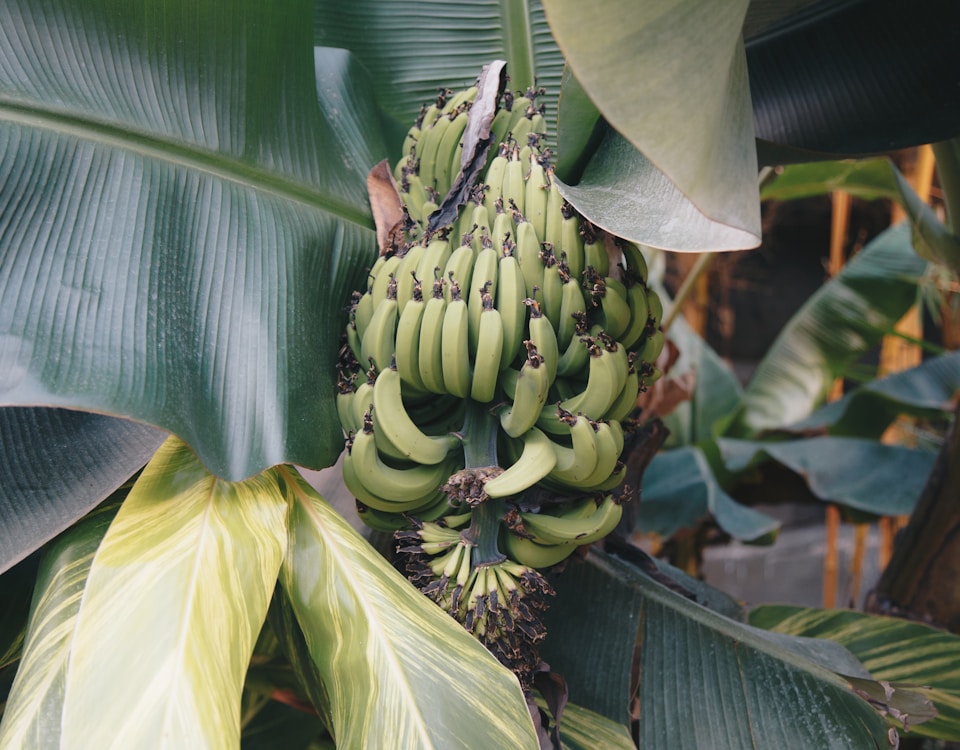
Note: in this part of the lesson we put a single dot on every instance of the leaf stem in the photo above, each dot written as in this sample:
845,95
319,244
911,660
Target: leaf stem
686,288
484,531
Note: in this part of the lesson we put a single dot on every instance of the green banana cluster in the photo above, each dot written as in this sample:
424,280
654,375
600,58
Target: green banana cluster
489,360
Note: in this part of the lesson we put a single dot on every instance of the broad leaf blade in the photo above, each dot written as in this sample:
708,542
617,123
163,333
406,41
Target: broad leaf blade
36,698
927,390
633,62
680,490
412,49
845,318
187,560
399,671
625,193
57,465
178,222
704,680
885,480
892,649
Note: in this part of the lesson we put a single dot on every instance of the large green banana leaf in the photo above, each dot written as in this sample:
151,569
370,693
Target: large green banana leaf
892,649
398,671
831,77
412,48
180,219
57,465
842,320
927,390
701,679
162,617
866,475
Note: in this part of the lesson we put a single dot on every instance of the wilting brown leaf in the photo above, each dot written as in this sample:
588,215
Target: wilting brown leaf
386,204
666,394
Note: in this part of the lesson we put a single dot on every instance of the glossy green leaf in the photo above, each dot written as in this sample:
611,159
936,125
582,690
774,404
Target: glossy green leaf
32,715
926,390
845,318
885,480
188,565
671,78
179,219
892,649
398,670
704,680
413,48
57,465
680,490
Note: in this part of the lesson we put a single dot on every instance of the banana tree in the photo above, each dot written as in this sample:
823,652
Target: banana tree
183,210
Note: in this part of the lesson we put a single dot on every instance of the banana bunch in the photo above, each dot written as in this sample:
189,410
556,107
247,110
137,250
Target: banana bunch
495,356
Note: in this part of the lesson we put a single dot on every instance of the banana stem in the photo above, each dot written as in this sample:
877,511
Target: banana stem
479,436
484,531
480,451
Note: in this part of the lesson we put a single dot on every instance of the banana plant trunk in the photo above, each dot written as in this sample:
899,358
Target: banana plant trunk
922,579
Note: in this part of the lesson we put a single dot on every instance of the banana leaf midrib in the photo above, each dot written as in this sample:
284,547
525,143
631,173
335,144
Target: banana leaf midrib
181,154
372,619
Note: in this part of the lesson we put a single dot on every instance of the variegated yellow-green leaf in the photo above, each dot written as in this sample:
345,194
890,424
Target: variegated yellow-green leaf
583,729
399,672
36,696
892,649
169,613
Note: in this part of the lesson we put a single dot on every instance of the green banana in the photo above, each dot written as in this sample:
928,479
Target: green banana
626,401
530,394
407,274
536,191
486,366
652,347
528,255
552,289
544,338
503,231
562,529
427,152
511,291
483,282
571,244
576,462
639,315
535,462
572,305
407,350
378,343
455,343
493,181
433,260
447,159
553,221
430,355
655,306
514,191
390,418
609,447
459,267
528,552
401,485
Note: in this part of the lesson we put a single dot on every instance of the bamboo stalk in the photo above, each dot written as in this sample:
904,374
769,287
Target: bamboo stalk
860,532
839,222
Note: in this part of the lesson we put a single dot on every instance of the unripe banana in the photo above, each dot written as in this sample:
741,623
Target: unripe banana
530,394
655,307
527,552
390,418
511,291
543,338
430,355
483,282
486,366
528,256
535,462
455,343
378,343
574,530
536,191
577,462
